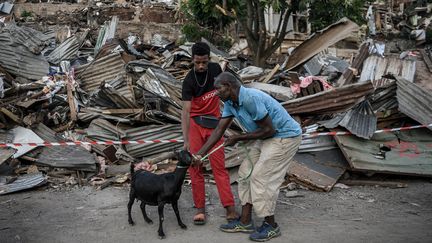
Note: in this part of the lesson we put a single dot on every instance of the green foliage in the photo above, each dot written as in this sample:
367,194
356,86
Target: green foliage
205,20
325,12
193,32
25,14
205,13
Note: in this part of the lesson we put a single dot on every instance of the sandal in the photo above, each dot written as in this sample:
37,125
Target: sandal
199,219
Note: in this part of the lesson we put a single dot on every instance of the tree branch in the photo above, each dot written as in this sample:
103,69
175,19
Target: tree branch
281,36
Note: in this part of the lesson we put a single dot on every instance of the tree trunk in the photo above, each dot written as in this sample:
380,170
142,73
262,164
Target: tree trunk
253,24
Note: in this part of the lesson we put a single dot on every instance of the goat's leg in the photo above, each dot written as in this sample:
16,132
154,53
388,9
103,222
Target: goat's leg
146,218
129,206
161,219
176,211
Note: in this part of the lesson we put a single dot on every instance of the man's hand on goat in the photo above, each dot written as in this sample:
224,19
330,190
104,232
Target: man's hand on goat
196,159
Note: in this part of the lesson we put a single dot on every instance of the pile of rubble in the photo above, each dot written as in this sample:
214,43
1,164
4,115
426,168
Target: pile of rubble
91,93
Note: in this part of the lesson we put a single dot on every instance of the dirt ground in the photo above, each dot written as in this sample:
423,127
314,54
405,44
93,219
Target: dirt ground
357,214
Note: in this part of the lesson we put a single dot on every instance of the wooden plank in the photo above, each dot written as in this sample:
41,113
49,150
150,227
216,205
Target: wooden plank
349,74
11,115
272,73
71,101
317,170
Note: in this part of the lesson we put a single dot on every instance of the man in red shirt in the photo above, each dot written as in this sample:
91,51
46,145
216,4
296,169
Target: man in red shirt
200,114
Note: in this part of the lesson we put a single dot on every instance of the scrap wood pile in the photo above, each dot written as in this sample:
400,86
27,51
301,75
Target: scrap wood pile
123,90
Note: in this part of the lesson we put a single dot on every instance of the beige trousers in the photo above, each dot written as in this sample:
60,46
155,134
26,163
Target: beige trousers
263,171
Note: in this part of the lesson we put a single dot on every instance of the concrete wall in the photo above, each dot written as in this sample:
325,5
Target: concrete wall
146,30
45,8
143,21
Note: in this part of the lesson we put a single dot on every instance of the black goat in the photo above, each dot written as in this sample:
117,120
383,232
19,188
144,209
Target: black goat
157,190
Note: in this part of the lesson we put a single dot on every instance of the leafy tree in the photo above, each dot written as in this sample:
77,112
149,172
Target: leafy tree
205,20
204,13
325,12
250,14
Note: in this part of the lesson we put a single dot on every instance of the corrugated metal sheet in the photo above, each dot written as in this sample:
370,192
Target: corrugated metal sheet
414,101
106,32
375,67
384,97
360,120
34,40
72,157
318,170
90,116
117,98
103,130
18,60
107,68
319,41
164,132
23,182
330,101
160,82
66,50
410,152
114,94
314,144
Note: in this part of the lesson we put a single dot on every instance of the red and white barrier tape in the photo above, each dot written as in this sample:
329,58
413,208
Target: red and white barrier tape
49,144
377,131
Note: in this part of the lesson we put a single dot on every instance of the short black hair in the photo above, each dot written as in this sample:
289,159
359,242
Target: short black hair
200,49
227,78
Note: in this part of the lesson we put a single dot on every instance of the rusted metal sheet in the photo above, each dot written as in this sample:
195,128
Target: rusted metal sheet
408,152
91,75
319,41
318,170
330,101
375,67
